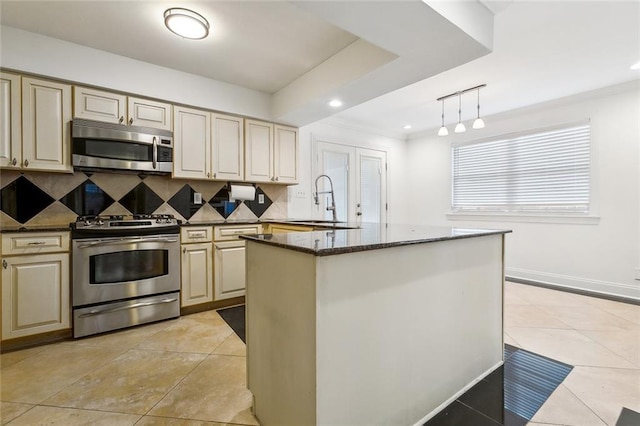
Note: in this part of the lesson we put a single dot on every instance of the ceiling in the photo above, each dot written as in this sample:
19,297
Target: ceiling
387,60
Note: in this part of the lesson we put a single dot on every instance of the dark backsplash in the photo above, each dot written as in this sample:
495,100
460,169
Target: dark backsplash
34,198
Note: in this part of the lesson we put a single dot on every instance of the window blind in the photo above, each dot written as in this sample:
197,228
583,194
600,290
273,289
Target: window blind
535,172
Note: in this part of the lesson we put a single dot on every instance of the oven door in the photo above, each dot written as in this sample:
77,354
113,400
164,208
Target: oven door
108,269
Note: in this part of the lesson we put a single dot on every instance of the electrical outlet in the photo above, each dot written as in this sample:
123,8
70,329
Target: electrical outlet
197,198
301,193
260,198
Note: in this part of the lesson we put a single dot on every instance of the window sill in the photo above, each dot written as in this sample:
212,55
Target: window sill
525,217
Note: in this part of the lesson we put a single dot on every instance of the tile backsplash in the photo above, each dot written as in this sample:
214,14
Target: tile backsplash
35,199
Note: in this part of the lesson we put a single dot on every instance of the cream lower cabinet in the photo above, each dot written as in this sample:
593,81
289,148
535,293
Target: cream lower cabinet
229,263
35,284
229,266
196,266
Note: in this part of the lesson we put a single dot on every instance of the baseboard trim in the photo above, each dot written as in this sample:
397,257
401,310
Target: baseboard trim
602,289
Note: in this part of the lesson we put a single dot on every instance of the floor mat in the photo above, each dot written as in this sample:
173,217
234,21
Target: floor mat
234,316
510,396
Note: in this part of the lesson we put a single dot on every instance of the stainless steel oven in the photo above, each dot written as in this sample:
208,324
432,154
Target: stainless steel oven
126,271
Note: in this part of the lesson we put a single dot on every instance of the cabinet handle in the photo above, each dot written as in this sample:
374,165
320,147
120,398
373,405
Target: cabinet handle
26,163
4,264
130,121
121,119
14,162
37,243
276,178
184,250
208,175
214,175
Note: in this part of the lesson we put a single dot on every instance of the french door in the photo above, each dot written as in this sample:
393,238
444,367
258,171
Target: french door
359,178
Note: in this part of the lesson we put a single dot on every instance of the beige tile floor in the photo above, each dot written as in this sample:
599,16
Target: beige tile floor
192,370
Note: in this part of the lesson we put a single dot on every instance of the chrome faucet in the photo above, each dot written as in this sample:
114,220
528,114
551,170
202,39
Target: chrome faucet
332,207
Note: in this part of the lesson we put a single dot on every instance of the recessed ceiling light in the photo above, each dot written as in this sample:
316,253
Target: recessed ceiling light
336,103
186,23
406,126
636,66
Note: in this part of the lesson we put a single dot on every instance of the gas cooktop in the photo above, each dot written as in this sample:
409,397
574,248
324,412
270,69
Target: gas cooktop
117,225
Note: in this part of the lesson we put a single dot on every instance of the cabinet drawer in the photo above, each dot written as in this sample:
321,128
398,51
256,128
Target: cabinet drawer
35,242
232,232
196,234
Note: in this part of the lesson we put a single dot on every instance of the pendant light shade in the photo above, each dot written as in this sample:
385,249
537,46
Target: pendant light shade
443,130
186,23
479,122
460,126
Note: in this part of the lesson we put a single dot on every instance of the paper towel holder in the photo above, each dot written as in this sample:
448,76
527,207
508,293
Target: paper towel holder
241,185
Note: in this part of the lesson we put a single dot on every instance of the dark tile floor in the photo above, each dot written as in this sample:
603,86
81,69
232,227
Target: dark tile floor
234,316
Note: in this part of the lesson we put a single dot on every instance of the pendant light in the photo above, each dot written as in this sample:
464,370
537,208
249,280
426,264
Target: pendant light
443,130
479,122
460,126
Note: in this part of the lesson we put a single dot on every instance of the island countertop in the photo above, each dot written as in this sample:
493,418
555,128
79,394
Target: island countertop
368,237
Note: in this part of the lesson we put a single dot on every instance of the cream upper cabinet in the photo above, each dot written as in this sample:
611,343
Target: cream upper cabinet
227,147
35,283
10,129
285,154
46,112
259,151
192,143
271,152
145,112
110,107
99,105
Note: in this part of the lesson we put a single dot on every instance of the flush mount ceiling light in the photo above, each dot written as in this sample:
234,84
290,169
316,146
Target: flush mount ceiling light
186,23
460,127
636,66
406,126
336,103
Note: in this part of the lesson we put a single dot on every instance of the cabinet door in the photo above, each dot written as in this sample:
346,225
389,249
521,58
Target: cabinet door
46,112
35,294
259,151
197,274
10,131
99,105
192,144
286,154
145,112
229,267
227,147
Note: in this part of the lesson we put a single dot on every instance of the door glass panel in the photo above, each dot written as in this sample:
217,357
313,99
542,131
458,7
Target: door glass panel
335,166
370,189
123,266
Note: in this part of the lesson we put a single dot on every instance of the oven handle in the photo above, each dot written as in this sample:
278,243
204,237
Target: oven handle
124,308
127,241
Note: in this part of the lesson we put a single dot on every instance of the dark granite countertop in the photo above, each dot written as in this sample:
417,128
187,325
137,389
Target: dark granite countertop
40,228
215,222
367,237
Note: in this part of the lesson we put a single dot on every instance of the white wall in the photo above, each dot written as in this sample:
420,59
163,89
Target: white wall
331,130
34,53
599,256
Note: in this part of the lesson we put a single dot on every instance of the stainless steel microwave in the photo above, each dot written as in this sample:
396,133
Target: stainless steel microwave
110,146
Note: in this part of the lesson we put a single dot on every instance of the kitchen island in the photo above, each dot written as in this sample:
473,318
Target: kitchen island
385,324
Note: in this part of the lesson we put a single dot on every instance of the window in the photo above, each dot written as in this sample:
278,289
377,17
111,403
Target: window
541,172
